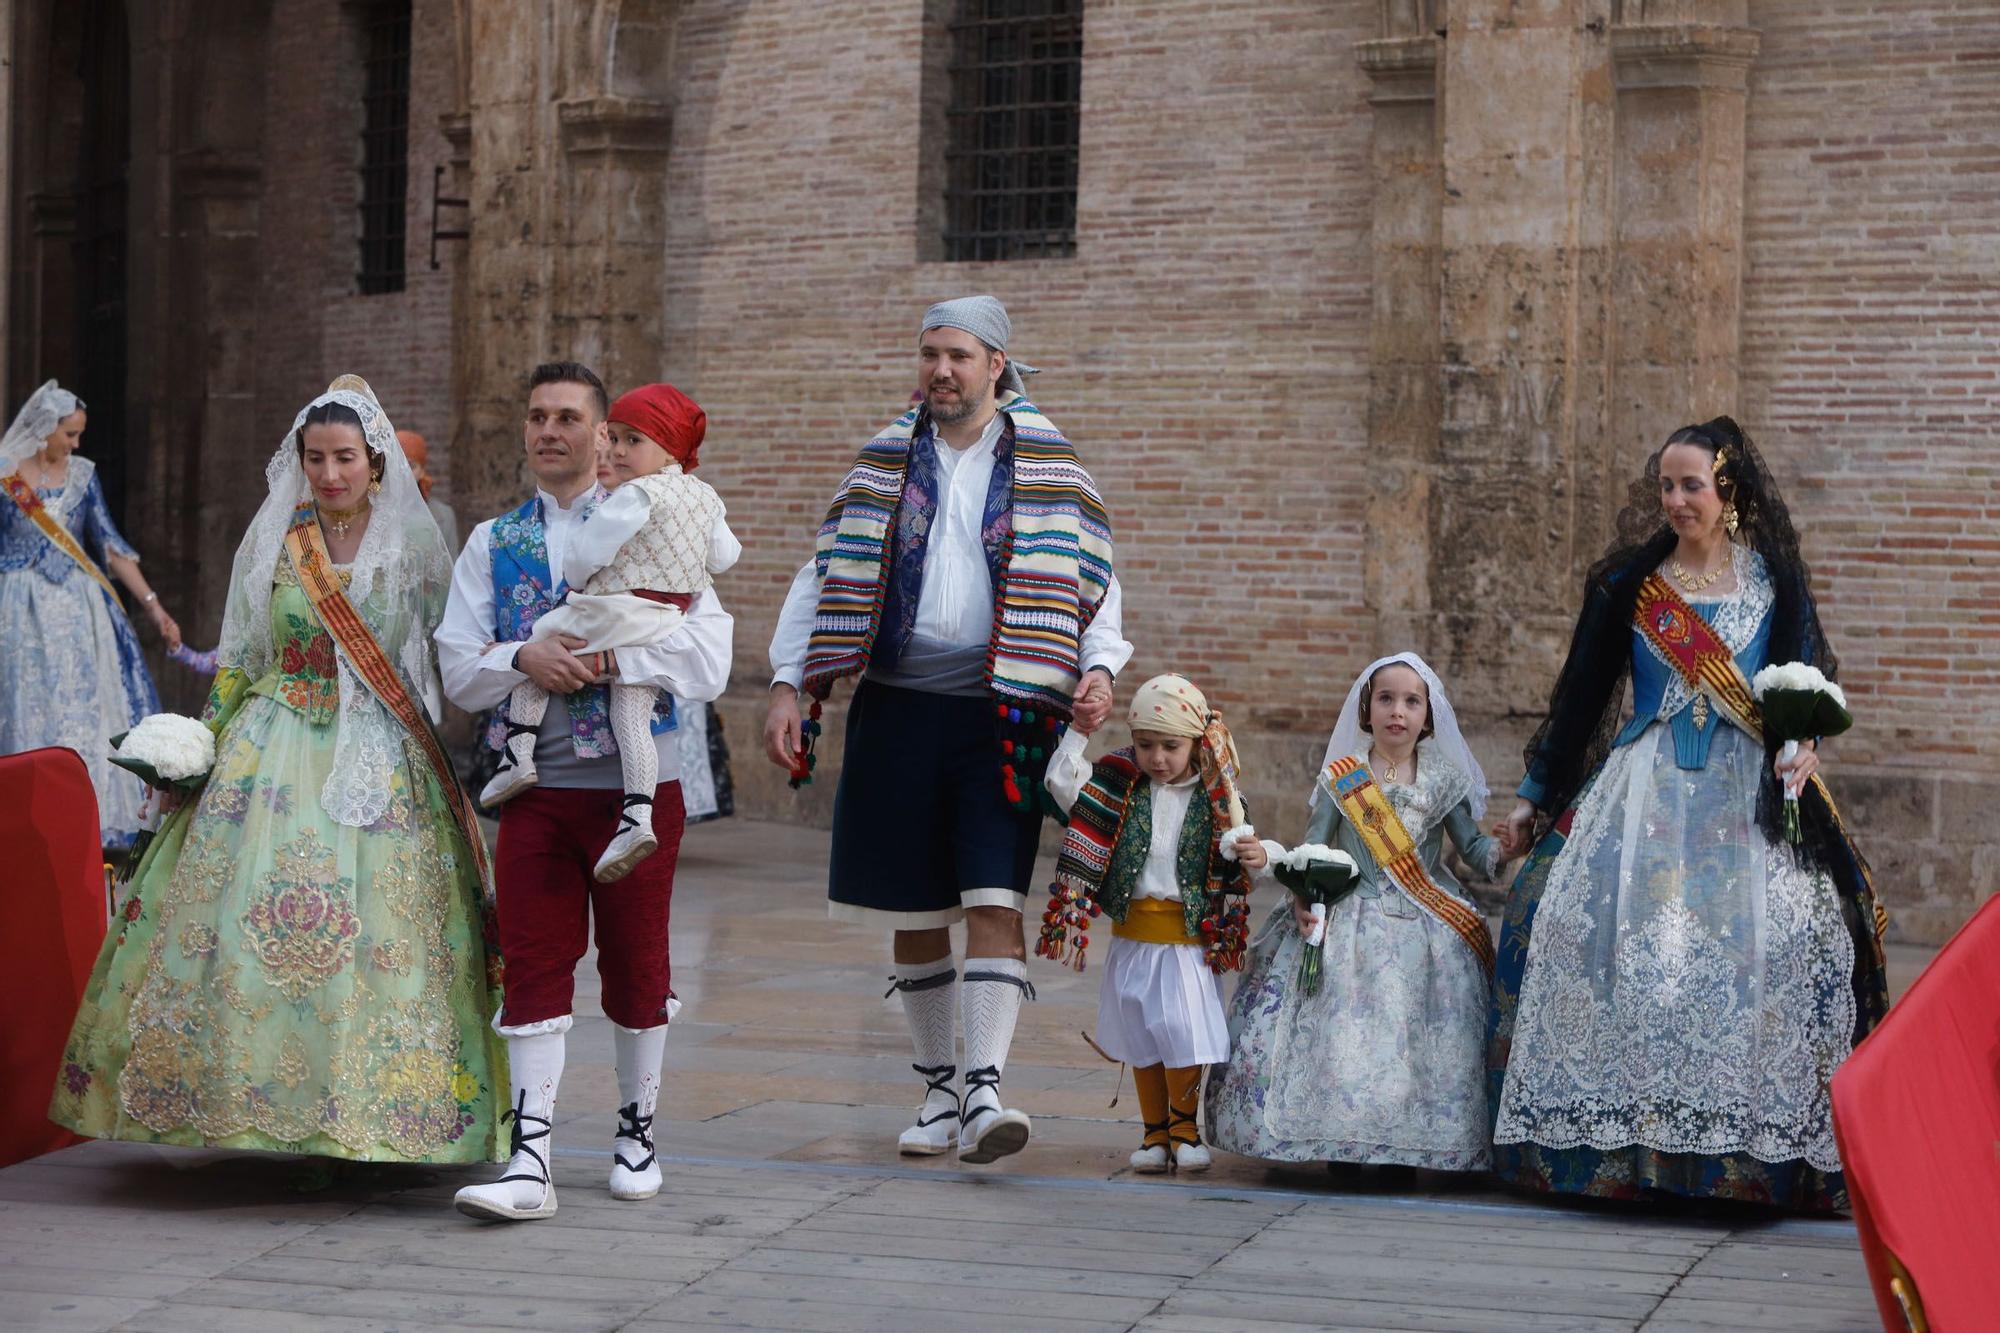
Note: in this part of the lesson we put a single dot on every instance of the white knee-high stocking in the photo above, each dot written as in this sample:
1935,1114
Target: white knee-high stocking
930,1004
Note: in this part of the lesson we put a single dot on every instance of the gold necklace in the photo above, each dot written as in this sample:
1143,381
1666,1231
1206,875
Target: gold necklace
1696,582
338,521
1389,767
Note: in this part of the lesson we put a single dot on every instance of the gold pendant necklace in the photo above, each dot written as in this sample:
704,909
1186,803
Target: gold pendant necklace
338,521
1696,582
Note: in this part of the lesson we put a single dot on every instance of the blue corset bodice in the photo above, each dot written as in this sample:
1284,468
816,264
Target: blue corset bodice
1659,695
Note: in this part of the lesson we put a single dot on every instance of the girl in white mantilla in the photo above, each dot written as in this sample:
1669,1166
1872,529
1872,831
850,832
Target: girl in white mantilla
1155,843
71,669
1384,1065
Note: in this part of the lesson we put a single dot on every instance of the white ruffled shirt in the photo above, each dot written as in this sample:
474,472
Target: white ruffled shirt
954,622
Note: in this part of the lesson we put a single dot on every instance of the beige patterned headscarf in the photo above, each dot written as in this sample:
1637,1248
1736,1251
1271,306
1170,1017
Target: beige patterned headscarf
1172,706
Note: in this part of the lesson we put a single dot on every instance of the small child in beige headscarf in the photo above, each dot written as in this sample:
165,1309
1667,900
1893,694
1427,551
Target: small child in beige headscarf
1157,842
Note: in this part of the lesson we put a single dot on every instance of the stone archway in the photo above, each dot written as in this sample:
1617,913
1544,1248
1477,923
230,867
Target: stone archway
70,210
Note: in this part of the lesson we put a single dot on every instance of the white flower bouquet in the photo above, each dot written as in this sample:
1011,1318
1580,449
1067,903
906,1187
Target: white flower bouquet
1798,703
1322,876
167,750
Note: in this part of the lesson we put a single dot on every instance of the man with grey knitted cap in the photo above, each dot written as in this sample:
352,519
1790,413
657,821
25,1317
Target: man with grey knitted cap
963,574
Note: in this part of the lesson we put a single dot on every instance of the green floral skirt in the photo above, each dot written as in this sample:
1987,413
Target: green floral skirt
281,981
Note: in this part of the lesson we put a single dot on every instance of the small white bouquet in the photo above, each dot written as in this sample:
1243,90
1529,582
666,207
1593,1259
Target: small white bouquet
1321,875
1798,703
167,750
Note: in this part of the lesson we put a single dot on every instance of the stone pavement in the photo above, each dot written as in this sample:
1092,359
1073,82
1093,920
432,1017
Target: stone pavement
787,1208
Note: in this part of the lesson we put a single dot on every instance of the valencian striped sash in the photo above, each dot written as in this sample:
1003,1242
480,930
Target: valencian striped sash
1696,653
1103,855
1385,838
321,584
51,527
1058,564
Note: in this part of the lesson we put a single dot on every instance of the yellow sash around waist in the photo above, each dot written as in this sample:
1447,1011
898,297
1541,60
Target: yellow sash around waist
1154,921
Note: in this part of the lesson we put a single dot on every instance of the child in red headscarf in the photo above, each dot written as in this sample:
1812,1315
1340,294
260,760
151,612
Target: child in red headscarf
632,570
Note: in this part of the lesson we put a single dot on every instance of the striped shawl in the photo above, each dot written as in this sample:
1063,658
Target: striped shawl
1058,564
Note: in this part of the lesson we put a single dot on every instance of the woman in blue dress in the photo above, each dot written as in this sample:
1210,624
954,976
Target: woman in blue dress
70,669
1676,983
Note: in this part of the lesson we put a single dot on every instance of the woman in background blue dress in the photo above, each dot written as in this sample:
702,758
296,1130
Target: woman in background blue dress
70,669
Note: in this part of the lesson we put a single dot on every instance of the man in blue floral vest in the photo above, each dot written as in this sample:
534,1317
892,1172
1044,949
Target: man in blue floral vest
552,835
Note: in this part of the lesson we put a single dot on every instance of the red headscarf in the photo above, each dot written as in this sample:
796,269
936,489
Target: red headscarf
667,417
419,453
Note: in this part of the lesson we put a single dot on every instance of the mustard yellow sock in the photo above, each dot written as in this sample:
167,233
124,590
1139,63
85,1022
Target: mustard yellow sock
1151,1082
1183,1101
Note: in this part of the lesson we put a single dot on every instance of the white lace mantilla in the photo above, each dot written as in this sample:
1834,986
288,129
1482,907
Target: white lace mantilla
1736,619
1688,982
398,570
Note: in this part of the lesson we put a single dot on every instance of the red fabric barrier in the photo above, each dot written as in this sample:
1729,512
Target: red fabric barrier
1917,1114
52,917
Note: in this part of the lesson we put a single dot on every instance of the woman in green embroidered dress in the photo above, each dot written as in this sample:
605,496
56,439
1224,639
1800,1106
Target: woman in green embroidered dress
301,964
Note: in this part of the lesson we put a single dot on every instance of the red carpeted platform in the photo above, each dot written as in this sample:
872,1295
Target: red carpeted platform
1917,1113
52,917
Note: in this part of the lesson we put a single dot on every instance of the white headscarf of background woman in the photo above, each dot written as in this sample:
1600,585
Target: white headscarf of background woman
34,423
400,559
1447,740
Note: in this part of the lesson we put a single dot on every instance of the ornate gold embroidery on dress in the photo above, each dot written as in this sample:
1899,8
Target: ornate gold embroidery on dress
302,925
292,1069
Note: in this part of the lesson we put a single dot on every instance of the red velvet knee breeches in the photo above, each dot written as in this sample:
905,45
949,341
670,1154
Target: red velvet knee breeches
550,839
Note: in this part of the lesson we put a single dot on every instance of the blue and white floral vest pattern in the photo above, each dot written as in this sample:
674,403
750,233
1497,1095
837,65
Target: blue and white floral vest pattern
523,592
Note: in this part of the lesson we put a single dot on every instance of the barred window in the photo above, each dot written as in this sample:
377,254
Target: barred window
1010,177
385,144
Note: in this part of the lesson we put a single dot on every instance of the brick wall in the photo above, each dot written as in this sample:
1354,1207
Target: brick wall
1206,348
1872,381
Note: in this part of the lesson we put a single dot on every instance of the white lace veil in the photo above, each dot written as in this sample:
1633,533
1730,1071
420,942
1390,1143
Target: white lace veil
401,559
34,423
1446,739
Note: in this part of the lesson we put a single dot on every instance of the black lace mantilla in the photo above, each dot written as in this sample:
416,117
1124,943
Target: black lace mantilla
1586,704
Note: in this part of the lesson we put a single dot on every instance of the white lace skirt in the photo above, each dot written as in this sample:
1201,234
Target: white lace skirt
1385,1064
1158,1005
1687,986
